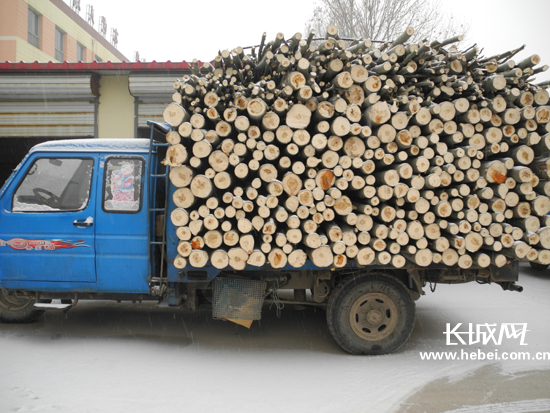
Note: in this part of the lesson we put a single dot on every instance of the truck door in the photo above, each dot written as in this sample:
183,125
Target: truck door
47,230
122,225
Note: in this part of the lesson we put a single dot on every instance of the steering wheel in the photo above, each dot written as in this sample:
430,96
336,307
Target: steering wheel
50,200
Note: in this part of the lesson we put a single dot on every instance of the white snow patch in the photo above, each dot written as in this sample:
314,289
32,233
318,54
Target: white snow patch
23,207
108,357
94,145
121,205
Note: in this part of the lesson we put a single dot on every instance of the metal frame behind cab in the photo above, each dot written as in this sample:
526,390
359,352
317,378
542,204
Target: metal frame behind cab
158,281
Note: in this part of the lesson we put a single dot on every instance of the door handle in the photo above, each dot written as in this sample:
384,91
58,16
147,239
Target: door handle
88,222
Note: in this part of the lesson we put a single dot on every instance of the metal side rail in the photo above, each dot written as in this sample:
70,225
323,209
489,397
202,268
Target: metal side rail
158,283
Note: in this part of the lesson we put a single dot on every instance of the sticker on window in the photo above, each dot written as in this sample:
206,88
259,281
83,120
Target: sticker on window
122,190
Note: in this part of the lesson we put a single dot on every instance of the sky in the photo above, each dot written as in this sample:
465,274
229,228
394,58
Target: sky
165,30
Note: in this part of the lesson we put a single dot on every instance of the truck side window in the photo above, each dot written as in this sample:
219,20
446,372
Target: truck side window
55,185
122,185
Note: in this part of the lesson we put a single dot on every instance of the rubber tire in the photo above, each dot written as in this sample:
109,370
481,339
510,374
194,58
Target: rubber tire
25,312
344,296
538,267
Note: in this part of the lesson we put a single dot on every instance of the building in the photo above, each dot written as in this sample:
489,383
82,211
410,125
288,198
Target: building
47,101
50,30
78,86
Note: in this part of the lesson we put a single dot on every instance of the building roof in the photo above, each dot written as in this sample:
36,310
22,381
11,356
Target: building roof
93,66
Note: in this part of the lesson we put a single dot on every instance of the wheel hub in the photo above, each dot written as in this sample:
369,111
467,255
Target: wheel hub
373,316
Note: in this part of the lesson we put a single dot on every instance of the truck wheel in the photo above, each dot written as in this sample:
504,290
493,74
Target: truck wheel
370,314
17,309
538,267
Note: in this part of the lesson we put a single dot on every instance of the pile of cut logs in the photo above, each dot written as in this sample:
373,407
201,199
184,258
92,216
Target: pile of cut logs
333,150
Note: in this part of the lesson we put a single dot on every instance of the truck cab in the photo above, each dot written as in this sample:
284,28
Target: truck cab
74,219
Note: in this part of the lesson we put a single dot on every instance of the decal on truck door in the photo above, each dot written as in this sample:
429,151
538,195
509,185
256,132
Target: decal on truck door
122,183
122,188
52,214
20,244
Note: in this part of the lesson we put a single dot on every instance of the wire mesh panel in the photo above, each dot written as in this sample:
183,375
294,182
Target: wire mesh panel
238,299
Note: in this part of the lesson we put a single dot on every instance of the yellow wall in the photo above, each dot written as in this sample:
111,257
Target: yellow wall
26,52
116,108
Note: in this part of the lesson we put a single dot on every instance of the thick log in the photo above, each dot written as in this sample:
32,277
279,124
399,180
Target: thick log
181,176
179,217
378,113
213,239
237,258
422,257
321,257
180,262
231,238
256,258
256,108
277,258
523,154
176,155
494,171
298,117
175,115
198,258
297,258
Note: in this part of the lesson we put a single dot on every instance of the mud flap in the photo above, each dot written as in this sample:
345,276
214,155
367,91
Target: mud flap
238,300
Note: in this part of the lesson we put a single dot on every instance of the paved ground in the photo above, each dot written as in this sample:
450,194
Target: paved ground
487,389
109,357
492,386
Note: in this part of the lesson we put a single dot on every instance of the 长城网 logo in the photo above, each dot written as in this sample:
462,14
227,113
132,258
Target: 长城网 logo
485,333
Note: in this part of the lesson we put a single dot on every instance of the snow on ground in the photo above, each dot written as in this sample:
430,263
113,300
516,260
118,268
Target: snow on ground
109,357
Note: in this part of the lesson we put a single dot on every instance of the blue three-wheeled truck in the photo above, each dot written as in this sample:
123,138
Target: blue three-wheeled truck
85,220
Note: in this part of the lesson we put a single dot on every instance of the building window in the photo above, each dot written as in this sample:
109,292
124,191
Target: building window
59,45
80,52
33,29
